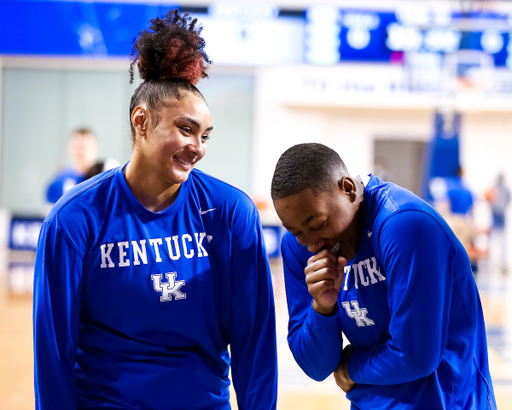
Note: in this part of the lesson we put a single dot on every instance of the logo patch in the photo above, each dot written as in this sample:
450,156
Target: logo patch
358,314
170,288
205,212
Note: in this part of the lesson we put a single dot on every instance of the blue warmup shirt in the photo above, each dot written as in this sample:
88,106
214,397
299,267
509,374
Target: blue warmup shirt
63,182
136,310
461,199
408,305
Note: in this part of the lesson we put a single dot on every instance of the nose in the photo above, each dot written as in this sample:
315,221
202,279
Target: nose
197,145
315,244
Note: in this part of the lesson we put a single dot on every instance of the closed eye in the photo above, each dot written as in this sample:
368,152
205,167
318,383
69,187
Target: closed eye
320,227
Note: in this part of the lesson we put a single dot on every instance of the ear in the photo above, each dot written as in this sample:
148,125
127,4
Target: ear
140,120
348,186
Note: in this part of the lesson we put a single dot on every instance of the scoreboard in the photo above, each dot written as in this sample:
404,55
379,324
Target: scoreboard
383,36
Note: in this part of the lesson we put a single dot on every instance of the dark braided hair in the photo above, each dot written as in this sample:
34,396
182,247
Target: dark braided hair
170,58
303,166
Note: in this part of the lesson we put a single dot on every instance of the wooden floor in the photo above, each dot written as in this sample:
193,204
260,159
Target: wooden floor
16,373
296,391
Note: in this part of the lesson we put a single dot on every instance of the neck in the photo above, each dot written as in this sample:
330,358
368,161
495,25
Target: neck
360,214
149,190
83,167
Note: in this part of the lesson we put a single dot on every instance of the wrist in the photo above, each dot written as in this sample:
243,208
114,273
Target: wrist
325,311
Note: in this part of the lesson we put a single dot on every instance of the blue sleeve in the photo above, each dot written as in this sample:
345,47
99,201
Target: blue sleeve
54,191
315,340
417,255
253,328
57,304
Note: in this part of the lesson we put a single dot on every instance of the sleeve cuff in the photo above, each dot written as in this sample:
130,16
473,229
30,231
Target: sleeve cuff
320,323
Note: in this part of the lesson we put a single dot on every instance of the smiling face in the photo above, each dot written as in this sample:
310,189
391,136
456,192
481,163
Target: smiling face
172,140
328,220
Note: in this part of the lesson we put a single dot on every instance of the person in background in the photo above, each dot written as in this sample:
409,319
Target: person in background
378,265
460,216
499,198
82,150
101,166
152,279
459,195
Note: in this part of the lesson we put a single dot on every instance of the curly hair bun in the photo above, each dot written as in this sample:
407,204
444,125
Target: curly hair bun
172,49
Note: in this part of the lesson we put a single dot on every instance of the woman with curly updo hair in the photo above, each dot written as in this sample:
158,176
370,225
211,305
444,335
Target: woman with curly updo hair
147,273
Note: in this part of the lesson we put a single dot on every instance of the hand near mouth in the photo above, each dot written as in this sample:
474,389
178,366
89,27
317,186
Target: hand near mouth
324,277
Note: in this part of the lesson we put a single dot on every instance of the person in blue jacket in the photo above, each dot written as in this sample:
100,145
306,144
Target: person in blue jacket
151,279
378,266
82,152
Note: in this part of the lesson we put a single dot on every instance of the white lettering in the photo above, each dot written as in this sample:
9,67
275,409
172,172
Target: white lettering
122,254
154,243
177,255
355,270
199,241
364,280
373,270
106,255
347,274
189,245
139,252
188,253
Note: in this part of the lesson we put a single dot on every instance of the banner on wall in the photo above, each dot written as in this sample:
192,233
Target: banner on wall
23,237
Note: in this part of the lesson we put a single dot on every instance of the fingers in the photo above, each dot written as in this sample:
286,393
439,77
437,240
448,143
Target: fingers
317,289
322,263
324,278
341,375
326,268
322,281
341,272
342,262
344,385
325,253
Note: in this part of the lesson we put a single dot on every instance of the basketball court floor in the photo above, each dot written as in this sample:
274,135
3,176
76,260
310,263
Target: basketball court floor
296,391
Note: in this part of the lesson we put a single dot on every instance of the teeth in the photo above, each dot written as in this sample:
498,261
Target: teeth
183,161
335,248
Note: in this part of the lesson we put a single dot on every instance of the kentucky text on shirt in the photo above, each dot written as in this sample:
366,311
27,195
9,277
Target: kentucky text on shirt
372,268
174,247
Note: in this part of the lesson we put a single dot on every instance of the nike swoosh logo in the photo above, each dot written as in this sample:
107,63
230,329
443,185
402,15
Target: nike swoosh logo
205,212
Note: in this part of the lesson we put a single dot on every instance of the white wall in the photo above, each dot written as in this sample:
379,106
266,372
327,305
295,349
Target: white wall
44,99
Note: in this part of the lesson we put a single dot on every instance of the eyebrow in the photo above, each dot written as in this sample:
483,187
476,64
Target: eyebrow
309,219
194,122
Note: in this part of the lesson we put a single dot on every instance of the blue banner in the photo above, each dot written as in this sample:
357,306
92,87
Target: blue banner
72,27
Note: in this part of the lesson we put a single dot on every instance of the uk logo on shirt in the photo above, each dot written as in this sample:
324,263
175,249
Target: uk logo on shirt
170,288
358,314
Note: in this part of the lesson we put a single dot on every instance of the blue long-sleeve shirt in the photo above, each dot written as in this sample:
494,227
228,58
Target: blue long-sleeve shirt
62,182
408,305
136,310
